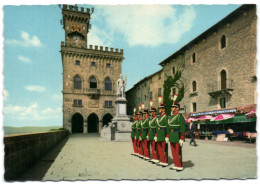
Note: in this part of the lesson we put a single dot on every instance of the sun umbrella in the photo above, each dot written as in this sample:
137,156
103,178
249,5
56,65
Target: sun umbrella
222,117
193,119
251,114
205,118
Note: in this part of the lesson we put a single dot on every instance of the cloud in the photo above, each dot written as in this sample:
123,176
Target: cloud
25,41
24,59
6,94
35,88
32,112
57,97
147,25
99,37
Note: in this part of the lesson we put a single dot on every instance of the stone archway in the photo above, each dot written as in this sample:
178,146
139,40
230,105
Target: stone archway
107,118
93,123
77,123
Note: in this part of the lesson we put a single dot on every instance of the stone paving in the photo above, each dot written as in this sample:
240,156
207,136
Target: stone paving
87,157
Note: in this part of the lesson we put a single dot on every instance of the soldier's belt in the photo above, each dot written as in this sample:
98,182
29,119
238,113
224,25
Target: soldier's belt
172,130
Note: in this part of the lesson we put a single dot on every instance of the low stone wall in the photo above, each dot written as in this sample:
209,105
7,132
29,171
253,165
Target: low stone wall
23,150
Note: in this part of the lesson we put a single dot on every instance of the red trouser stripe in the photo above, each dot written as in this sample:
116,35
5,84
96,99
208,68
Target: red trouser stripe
145,148
134,145
154,154
175,147
161,150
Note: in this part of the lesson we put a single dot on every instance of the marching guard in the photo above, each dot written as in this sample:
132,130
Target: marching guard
144,132
151,134
160,135
175,135
133,133
138,134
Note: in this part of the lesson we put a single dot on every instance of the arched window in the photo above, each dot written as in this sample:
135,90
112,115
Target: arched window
108,84
194,86
77,82
92,82
193,58
223,41
223,76
173,70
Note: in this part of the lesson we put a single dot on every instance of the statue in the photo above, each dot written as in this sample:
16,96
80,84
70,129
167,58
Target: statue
121,84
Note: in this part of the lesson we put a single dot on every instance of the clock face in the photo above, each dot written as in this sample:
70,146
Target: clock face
76,38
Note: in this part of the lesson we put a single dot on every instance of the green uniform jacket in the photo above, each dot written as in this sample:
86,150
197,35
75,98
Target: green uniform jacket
144,126
161,128
176,128
152,128
138,129
133,129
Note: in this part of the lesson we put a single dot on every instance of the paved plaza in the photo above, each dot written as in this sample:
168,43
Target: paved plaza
87,157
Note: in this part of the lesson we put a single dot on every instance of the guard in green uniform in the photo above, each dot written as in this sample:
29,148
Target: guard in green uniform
160,135
175,135
138,135
144,132
151,134
133,133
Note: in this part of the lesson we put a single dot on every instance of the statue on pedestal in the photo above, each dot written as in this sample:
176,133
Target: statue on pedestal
121,84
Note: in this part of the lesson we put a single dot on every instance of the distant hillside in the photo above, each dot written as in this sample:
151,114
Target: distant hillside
17,130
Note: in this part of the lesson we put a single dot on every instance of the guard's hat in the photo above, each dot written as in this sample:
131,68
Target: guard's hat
176,104
153,109
162,105
139,113
135,114
145,111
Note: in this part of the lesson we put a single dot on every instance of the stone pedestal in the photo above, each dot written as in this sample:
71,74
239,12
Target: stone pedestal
123,124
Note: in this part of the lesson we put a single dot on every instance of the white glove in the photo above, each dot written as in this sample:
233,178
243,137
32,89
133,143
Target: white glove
181,142
155,139
166,140
135,137
140,138
147,137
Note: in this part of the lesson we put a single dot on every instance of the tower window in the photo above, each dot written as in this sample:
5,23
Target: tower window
223,102
194,107
160,92
223,41
173,70
194,86
77,82
77,102
159,75
93,63
223,76
77,62
93,82
108,65
108,84
108,103
193,58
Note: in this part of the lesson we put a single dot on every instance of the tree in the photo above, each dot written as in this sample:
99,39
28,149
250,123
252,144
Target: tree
168,84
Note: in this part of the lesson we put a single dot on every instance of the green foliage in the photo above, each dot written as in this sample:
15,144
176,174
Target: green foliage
168,84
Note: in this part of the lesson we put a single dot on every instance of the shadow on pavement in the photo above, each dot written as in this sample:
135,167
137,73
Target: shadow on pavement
187,164
39,169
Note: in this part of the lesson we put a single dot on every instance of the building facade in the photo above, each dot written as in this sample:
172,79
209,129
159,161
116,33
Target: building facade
219,66
89,75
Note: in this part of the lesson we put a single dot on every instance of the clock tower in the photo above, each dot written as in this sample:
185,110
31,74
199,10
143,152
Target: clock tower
89,74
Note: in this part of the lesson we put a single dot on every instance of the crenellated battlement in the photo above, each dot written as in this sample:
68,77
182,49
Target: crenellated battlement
75,8
91,47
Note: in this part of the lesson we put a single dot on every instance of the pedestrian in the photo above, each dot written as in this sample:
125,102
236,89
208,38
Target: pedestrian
176,129
151,134
192,131
133,133
160,136
230,133
144,132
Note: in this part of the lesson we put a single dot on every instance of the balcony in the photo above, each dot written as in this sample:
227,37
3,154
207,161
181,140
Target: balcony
220,88
93,92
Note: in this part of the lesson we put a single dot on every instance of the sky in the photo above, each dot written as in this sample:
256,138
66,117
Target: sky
32,68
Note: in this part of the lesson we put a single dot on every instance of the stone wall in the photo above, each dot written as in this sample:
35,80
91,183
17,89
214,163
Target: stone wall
23,150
